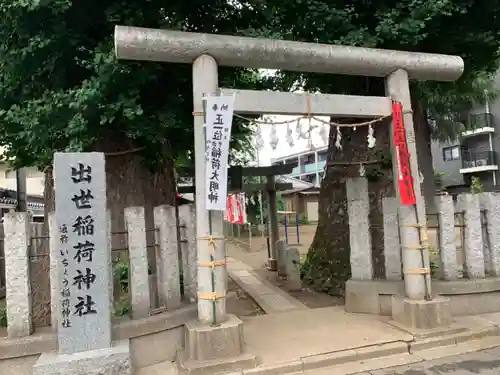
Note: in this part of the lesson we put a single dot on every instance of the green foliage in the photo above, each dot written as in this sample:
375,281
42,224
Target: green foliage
438,177
280,203
253,208
303,220
61,88
3,317
121,274
123,307
463,28
373,173
476,186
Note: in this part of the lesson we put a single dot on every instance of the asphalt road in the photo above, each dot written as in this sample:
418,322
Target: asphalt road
485,362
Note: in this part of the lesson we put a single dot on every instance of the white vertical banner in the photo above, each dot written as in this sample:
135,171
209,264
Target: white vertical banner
218,119
236,208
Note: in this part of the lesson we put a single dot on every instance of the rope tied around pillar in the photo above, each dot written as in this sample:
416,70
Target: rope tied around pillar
213,295
417,271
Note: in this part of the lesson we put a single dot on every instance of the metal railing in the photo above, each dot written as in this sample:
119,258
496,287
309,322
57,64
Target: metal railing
472,159
480,120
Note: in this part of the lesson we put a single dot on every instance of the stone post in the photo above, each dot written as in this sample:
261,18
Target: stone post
111,273
392,248
273,221
17,280
187,221
138,259
473,246
446,236
281,258
167,257
490,202
358,207
483,214
54,257
292,264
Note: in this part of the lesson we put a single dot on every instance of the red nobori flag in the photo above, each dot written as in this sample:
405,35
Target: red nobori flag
405,181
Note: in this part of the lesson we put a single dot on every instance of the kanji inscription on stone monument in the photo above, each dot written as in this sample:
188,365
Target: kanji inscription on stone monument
83,268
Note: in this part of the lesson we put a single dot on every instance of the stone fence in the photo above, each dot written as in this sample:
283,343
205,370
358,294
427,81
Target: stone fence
464,245
37,240
143,287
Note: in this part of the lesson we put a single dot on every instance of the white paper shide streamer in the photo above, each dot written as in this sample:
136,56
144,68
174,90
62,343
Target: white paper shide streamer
362,170
323,133
310,144
298,130
371,139
259,141
338,139
289,135
274,138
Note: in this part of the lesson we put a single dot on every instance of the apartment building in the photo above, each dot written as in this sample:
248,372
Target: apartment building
309,166
474,153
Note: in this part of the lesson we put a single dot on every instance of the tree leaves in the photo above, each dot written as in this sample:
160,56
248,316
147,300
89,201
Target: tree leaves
468,29
62,88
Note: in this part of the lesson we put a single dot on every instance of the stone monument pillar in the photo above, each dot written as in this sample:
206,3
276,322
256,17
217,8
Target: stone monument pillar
83,264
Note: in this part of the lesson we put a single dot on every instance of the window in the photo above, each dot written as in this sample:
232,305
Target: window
451,153
322,156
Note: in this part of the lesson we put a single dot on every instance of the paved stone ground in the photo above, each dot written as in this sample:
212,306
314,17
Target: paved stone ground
240,303
256,257
485,362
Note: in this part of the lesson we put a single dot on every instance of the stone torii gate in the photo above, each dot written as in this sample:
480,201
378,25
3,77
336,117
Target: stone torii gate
223,344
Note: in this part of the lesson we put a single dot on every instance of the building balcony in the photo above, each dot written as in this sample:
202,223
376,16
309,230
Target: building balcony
482,123
473,162
309,168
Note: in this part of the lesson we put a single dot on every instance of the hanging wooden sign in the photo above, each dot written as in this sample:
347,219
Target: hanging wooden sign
405,180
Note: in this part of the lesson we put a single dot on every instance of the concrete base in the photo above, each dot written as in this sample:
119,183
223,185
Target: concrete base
211,350
467,297
272,264
114,360
422,314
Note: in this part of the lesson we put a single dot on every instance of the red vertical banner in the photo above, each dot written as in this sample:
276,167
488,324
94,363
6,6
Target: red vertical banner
405,181
228,215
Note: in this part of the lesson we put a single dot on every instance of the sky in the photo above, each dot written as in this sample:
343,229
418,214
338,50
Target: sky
283,148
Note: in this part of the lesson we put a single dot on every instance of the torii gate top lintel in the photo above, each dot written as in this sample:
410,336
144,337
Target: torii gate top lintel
136,43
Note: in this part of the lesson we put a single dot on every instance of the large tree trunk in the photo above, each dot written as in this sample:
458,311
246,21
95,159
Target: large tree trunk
424,153
129,183
327,267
